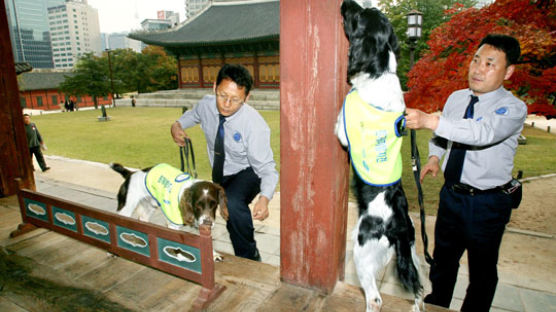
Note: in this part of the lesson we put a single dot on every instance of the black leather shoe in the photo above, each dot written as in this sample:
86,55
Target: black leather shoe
46,169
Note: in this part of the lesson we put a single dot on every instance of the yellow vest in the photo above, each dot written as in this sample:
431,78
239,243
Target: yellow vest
374,141
165,183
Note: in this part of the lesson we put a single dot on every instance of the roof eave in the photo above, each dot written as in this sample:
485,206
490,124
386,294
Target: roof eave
177,44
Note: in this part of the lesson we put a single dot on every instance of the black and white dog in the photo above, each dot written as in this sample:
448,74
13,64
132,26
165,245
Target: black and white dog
370,125
185,201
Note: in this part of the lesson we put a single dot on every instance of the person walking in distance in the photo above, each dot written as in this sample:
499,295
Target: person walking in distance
35,142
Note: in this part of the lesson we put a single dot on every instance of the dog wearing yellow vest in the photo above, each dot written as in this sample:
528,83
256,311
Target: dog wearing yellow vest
370,125
185,201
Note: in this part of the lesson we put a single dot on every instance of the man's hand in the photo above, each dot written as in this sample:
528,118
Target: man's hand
432,167
260,212
416,119
178,134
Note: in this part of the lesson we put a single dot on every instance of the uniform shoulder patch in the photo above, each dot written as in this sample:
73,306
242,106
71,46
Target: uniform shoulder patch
501,111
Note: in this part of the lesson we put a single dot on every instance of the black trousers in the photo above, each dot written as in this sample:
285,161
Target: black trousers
38,155
474,223
241,189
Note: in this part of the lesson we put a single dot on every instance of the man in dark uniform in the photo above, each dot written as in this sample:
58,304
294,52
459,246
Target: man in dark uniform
35,141
479,126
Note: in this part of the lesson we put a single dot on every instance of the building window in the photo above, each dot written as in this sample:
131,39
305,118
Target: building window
22,102
39,101
54,100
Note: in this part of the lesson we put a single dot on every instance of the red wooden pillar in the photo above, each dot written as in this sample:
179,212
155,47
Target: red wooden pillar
179,72
201,77
314,167
15,161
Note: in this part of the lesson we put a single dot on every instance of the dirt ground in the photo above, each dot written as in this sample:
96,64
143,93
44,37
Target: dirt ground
537,211
528,251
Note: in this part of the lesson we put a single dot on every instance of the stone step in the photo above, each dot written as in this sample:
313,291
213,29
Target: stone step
256,95
190,102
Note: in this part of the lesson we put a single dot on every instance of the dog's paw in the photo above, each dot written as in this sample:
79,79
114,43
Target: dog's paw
415,308
419,306
374,305
217,257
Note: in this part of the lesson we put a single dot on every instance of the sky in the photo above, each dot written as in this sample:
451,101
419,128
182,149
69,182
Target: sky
127,15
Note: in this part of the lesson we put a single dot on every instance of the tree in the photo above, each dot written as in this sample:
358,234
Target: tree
158,70
124,62
443,69
434,14
90,78
149,71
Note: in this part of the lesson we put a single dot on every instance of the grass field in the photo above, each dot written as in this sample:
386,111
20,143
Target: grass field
134,137
140,137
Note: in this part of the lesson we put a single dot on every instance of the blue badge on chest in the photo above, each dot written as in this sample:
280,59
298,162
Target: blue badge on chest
237,136
502,111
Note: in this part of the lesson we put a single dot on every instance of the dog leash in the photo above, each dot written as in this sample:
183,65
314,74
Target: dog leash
416,166
184,154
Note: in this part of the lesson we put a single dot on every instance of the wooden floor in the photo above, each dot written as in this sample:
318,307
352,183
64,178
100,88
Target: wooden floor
250,286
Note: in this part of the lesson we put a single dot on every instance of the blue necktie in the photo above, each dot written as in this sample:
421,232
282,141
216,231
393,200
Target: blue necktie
454,167
219,155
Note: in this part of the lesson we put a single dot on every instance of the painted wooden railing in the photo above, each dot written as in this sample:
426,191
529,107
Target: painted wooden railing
182,254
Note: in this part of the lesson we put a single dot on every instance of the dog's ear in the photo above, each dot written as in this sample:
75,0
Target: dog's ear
186,207
223,203
350,12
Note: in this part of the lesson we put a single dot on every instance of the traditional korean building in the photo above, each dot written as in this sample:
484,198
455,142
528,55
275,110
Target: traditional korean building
233,32
39,89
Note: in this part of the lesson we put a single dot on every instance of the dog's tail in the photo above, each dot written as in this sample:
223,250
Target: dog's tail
121,170
406,265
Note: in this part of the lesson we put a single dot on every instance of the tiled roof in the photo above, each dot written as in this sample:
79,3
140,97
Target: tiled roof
22,67
41,80
222,23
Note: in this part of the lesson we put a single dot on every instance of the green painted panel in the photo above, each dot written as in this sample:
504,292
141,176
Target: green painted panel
180,255
132,240
64,218
96,228
36,209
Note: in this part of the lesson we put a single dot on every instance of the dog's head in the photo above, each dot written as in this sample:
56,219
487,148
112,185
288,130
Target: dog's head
371,40
200,201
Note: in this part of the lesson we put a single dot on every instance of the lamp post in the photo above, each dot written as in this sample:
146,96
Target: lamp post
111,80
414,26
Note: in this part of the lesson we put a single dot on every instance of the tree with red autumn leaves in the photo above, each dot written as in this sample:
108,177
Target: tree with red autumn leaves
443,69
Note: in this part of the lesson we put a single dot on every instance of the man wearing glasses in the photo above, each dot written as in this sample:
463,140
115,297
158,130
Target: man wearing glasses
238,145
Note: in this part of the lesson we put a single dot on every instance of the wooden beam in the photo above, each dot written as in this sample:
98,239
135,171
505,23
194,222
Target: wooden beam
14,151
314,174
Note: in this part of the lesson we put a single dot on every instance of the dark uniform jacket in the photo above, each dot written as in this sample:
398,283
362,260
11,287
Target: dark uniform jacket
34,138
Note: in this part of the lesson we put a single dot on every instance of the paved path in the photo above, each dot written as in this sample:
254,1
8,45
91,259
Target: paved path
96,184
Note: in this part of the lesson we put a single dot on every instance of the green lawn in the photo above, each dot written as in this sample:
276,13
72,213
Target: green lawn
140,137
134,137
